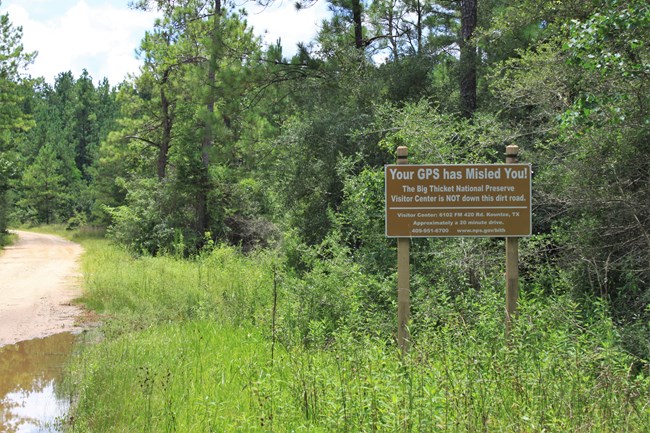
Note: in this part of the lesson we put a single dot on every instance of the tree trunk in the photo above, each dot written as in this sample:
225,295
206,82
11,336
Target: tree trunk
356,17
392,32
203,222
468,58
163,150
419,12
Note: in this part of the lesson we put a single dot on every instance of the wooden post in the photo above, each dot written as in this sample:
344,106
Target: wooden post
512,260
403,276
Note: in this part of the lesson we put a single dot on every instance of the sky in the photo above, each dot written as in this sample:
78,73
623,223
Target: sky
102,36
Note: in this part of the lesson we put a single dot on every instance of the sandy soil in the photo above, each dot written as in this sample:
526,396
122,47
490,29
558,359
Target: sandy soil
39,277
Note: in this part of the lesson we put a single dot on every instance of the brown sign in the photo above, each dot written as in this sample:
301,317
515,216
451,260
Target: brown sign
458,200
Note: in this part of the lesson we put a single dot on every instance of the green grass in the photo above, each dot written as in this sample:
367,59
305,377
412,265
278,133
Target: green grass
187,347
200,376
146,290
195,376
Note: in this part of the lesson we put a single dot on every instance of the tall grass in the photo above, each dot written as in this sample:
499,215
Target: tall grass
195,376
146,290
189,347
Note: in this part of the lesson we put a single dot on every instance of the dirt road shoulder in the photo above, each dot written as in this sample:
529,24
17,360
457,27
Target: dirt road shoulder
39,278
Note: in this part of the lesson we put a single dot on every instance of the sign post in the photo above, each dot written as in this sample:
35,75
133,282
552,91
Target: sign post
512,260
403,276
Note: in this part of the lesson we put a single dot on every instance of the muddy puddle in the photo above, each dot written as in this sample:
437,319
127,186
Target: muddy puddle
30,373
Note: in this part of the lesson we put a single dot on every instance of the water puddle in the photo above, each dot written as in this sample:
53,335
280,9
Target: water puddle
29,375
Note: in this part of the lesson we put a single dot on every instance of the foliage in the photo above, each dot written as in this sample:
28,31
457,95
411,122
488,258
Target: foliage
13,119
191,345
580,101
193,115
58,155
43,184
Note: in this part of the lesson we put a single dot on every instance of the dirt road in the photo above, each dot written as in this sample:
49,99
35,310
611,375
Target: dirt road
39,277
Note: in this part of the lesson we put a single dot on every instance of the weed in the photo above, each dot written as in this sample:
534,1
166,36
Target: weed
228,342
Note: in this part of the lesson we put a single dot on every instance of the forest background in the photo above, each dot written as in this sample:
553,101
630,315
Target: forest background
220,141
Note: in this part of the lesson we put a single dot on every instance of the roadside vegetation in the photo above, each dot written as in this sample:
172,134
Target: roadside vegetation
6,239
234,342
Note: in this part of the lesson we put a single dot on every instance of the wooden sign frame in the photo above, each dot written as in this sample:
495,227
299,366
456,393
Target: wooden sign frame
461,200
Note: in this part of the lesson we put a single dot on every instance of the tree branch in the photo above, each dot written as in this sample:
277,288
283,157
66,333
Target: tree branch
144,140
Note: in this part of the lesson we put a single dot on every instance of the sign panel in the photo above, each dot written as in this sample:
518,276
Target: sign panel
480,200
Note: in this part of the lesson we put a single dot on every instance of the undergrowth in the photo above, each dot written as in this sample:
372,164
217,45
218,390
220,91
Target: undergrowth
233,342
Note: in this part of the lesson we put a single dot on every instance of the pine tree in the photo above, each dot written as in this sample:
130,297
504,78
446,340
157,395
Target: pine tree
13,60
